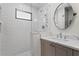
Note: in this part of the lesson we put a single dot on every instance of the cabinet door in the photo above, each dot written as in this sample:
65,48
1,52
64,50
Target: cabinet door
63,51
47,48
50,49
75,53
43,47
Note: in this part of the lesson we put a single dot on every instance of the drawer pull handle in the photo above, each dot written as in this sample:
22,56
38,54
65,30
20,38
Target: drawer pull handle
52,45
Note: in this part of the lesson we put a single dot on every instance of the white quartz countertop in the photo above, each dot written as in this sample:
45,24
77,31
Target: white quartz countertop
74,44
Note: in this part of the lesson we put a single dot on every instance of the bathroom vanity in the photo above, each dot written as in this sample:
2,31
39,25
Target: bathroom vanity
55,47
61,45
58,45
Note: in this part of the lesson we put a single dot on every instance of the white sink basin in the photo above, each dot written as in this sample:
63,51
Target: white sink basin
74,39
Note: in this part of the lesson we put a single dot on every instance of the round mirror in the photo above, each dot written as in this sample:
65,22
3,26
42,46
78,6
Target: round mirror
63,16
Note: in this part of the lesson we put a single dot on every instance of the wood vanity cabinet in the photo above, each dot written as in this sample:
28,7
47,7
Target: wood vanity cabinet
75,53
62,51
47,49
51,49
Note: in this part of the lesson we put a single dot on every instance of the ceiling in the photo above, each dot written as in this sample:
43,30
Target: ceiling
37,5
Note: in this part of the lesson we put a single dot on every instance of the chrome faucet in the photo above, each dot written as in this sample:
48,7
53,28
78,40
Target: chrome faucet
61,36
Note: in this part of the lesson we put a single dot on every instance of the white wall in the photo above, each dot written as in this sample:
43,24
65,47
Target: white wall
35,22
42,11
36,46
74,28
0,30
16,33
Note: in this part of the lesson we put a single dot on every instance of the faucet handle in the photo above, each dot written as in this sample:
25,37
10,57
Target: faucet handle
60,35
